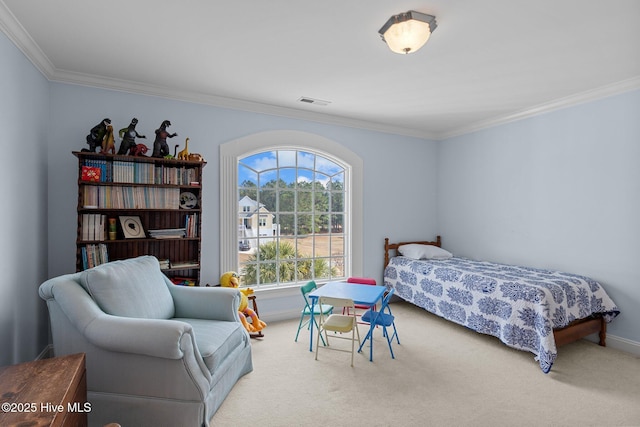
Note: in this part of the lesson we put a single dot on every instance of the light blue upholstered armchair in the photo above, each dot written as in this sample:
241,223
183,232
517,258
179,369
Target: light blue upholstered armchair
157,354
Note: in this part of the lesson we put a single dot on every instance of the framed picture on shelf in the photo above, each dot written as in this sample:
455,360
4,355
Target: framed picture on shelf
132,227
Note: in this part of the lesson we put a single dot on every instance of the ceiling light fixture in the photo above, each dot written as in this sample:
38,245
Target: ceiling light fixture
408,32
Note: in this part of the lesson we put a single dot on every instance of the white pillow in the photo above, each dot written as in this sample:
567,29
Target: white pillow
417,251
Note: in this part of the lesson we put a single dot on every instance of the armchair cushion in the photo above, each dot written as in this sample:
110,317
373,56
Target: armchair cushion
111,286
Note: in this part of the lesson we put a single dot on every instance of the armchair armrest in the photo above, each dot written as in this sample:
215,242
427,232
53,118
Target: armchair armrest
205,302
150,337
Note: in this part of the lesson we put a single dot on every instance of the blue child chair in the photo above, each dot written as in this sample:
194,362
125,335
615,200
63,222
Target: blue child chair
383,318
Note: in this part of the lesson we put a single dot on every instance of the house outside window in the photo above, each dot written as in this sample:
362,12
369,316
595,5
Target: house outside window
293,200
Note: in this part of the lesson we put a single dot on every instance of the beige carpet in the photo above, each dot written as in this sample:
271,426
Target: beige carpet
443,375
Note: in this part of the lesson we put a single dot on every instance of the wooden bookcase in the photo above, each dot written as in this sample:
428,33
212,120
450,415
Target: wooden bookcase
164,196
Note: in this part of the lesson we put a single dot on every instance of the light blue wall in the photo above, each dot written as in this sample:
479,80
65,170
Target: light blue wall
391,205
559,190
24,107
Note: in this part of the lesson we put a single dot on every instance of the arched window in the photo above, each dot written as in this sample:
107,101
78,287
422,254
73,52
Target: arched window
290,217
295,203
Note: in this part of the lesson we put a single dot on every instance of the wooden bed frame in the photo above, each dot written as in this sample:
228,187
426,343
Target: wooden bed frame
575,331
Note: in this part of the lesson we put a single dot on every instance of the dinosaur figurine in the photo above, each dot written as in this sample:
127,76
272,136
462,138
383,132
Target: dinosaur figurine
160,146
184,154
108,143
128,135
139,150
97,134
173,156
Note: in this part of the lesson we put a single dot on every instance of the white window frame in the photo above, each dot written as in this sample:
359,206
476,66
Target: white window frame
232,151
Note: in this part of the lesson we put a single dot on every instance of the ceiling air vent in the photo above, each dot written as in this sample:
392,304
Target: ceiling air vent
313,101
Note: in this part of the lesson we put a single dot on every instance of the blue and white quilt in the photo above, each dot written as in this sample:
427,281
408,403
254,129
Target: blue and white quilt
519,305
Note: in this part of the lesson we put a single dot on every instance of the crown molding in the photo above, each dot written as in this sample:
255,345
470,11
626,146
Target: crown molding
23,41
558,104
261,108
230,103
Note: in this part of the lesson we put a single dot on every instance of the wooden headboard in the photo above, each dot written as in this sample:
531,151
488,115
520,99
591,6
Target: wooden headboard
394,246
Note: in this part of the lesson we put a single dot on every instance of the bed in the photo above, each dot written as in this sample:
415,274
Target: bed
529,309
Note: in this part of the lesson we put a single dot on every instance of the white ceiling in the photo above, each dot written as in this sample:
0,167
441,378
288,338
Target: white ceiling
488,62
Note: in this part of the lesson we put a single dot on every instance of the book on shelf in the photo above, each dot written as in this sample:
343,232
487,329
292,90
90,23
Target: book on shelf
93,226
94,255
126,197
137,172
175,175
168,233
191,225
185,264
90,173
101,167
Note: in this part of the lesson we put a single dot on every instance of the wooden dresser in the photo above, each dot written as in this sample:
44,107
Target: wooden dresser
48,392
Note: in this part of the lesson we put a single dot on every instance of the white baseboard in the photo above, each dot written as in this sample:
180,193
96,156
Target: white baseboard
623,344
619,343
281,315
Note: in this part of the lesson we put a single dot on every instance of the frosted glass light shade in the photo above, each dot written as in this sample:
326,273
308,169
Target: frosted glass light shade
408,32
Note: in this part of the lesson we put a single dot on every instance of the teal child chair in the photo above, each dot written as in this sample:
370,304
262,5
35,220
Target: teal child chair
306,311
